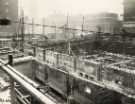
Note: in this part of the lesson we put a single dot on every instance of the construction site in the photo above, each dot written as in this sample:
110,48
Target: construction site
42,63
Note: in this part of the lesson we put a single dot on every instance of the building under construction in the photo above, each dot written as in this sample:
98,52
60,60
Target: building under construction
94,67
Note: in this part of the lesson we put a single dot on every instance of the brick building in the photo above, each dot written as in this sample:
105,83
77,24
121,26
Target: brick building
9,10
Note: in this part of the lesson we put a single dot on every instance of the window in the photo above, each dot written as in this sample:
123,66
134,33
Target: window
6,3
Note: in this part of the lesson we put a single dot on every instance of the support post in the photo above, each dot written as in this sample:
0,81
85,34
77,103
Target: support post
44,55
22,32
69,48
34,51
12,92
43,29
33,26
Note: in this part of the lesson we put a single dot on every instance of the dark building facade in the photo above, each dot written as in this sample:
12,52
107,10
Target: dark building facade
129,10
129,16
9,10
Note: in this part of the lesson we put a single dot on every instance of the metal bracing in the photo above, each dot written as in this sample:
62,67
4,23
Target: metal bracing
25,83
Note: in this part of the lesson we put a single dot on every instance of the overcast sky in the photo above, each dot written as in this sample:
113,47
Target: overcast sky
43,8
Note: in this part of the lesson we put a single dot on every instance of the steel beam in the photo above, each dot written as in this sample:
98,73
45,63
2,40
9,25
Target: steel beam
21,79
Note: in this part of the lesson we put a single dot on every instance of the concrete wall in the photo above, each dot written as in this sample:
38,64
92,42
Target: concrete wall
25,68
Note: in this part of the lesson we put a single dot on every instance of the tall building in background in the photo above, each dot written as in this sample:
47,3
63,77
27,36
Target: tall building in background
129,16
129,10
8,9
103,22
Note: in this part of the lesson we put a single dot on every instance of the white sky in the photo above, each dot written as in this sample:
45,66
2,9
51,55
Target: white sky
43,8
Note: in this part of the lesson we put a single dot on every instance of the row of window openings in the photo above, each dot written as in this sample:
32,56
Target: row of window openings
6,3
7,10
4,26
